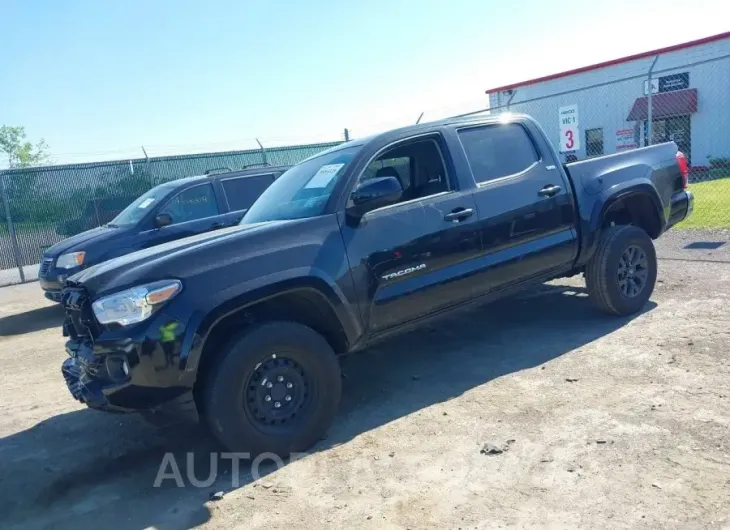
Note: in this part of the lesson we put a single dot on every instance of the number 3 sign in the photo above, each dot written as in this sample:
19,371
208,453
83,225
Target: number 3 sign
569,131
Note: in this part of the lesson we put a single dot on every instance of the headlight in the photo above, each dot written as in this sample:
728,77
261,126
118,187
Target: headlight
71,260
135,304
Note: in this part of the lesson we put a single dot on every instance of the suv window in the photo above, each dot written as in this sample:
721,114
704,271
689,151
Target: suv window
194,203
241,192
418,165
497,151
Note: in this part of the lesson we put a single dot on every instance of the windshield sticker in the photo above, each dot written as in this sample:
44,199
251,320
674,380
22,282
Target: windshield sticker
145,203
324,176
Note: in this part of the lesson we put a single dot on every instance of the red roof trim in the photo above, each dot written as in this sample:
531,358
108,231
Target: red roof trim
613,62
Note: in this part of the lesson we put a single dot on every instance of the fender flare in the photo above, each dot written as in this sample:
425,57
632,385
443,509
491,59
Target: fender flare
609,197
240,296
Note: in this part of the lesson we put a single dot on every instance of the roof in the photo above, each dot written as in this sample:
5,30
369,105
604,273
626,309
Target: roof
430,126
613,62
245,172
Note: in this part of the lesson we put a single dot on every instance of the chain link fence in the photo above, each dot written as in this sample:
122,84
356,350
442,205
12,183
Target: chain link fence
43,205
679,97
674,97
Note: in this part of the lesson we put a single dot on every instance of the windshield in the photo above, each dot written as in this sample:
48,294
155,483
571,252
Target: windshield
134,213
303,190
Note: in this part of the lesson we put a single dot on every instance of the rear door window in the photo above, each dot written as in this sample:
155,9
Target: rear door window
496,151
242,192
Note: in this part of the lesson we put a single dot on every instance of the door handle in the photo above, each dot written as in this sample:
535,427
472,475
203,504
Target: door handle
216,226
549,190
458,215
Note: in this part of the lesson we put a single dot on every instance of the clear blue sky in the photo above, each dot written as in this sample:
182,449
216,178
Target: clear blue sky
99,78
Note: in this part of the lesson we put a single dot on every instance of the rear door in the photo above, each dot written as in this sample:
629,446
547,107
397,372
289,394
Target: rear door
241,192
526,207
194,210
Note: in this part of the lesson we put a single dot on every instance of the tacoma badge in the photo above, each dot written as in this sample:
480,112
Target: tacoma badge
409,270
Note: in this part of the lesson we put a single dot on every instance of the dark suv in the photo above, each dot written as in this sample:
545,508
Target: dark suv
170,211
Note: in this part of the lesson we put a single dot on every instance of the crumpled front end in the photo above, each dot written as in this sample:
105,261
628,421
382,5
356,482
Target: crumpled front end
125,369
89,376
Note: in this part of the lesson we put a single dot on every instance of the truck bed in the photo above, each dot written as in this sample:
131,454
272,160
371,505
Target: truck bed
654,166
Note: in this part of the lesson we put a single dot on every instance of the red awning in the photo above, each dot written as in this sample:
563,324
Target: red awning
665,105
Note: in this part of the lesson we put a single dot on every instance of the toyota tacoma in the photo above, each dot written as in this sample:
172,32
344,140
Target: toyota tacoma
242,327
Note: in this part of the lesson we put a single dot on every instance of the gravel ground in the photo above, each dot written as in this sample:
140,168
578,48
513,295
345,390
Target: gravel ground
601,422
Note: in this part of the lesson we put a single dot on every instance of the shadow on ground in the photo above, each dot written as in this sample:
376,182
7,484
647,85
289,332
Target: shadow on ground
30,321
86,468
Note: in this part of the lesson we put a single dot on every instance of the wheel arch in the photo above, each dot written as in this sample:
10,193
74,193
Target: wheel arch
634,202
310,300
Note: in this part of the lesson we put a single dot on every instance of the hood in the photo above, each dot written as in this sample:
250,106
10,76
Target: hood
81,241
175,259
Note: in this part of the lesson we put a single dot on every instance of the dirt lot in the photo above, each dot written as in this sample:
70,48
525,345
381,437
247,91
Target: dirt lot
605,423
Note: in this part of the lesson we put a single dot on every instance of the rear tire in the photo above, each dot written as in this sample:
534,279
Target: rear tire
275,389
621,274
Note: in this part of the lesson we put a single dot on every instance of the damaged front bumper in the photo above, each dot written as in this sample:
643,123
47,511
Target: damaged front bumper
126,369
91,379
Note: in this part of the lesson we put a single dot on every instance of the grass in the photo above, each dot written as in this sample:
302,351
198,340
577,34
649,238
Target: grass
712,205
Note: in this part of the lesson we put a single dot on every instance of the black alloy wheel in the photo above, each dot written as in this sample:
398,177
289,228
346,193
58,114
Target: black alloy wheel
633,271
621,274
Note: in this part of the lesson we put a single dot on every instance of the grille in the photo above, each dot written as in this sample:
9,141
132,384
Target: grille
79,313
45,266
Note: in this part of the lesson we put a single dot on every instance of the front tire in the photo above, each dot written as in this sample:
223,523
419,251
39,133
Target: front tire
276,389
621,274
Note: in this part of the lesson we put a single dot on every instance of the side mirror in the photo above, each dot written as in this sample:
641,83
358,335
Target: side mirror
374,193
163,219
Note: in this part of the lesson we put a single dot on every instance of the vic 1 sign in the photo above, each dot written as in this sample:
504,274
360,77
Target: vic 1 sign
569,132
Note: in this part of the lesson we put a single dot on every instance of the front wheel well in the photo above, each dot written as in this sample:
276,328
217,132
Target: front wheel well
305,306
637,209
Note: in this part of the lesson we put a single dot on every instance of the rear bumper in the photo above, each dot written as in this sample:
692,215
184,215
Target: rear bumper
690,203
681,207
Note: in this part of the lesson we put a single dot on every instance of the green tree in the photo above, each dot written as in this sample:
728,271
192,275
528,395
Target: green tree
19,151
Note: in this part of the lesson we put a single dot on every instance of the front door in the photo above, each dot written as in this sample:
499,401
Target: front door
526,207
193,211
411,255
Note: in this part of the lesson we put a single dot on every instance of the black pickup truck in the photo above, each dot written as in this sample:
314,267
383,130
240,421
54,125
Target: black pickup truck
243,326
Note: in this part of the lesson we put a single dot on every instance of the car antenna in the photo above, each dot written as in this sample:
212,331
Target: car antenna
419,119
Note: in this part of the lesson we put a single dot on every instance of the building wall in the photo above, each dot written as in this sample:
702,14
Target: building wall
605,97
